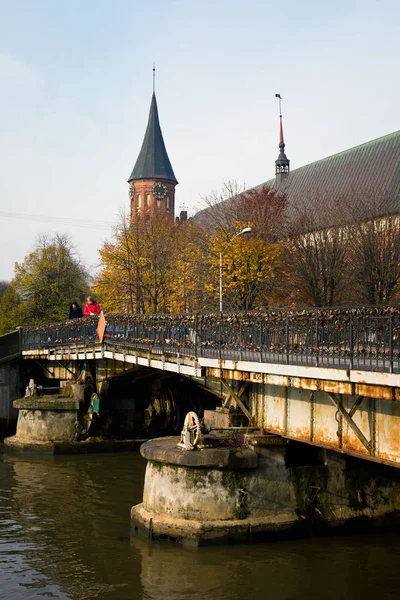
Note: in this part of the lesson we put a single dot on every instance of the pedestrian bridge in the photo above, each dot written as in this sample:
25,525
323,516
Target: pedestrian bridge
329,377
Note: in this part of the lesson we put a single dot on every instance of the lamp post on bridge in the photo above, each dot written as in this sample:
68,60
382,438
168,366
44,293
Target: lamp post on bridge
245,230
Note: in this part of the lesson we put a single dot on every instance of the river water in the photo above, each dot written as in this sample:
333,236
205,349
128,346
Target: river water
65,533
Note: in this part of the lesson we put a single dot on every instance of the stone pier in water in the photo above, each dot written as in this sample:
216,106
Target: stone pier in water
241,486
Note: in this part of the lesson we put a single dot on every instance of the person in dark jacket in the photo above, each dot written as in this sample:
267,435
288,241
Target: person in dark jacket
75,311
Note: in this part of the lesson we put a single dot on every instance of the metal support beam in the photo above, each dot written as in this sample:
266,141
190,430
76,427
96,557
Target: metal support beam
346,416
286,413
312,415
373,426
44,368
229,394
66,368
236,397
356,405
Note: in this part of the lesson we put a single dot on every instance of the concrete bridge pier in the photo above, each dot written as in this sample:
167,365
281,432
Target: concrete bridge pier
49,422
248,487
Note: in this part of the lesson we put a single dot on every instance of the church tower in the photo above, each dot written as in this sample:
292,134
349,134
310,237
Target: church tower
152,181
282,164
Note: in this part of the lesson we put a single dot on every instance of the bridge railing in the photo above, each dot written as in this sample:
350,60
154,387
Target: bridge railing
77,332
348,337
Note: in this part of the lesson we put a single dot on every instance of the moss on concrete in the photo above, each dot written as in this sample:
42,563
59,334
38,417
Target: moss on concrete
56,402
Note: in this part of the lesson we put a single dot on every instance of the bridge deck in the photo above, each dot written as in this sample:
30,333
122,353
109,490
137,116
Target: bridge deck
351,339
327,377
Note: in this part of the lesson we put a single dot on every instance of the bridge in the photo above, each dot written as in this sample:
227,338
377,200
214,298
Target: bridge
327,377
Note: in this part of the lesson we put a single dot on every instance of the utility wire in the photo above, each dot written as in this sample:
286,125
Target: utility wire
58,220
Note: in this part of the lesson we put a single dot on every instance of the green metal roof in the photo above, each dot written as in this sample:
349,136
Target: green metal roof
153,161
366,178
363,181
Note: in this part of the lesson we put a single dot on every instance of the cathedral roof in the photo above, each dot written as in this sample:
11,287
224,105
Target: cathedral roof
366,177
362,182
153,161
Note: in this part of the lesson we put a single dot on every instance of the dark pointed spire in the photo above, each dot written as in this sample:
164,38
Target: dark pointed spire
153,161
282,164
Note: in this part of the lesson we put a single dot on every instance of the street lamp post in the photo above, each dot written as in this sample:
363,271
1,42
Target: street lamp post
245,230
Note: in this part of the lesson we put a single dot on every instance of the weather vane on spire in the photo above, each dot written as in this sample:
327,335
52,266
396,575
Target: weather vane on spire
280,103
154,77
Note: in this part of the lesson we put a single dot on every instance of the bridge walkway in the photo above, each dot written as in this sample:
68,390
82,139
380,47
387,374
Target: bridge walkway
330,377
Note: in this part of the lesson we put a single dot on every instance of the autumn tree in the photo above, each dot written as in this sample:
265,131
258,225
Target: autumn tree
266,209
137,266
156,240
219,212
250,266
48,280
11,313
317,252
375,258
3,287
150,266
191,270
319,265
117,283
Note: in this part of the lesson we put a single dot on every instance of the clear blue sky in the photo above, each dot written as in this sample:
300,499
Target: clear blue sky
76,84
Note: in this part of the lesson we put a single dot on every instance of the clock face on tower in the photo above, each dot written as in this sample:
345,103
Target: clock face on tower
159,190
131,191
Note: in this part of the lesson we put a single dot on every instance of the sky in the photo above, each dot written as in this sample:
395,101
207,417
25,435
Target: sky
76,85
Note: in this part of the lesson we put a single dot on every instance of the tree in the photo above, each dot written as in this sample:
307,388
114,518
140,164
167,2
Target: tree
191,270
266,209
48,280
11,314
3,287
219,213
375,252
317,252
250,266
319,265
150,266
117,283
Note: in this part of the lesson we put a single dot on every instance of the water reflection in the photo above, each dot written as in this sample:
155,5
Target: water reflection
345,568
64,533
65,517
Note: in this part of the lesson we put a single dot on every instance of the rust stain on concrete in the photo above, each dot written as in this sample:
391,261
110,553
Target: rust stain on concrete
374,391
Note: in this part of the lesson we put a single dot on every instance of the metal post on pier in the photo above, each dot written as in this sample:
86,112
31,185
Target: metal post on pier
391,342
220,335
351,342
287,340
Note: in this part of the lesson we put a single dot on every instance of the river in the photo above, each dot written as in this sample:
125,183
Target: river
65,533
